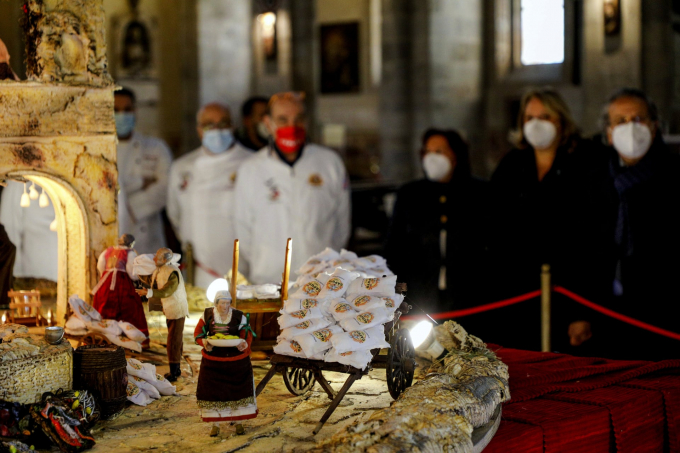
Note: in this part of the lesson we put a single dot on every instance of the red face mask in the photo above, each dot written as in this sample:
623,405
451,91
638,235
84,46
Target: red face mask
289,139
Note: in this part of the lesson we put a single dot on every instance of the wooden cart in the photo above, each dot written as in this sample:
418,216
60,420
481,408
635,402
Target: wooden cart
300,375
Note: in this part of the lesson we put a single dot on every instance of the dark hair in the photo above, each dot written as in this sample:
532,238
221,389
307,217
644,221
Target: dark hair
459,146
126,239
126,92
247,107
634,93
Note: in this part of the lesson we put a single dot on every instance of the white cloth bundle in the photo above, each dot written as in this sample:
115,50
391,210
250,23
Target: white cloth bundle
357,359
83,310
317,341
163,386
376,286
310,286
293,305
143,264
360,340
337,284
76,332
305,326
365,302
124,342
75,323
265,291
107,327
320,259
340,309
367,319
131,331
289,347
289,320
146,387
146,371
136,395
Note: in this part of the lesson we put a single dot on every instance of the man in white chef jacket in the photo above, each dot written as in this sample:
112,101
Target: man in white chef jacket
292,189
29,230
143,166
201,194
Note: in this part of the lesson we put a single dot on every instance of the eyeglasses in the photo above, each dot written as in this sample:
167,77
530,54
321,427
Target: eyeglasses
295,96
220,125
625,120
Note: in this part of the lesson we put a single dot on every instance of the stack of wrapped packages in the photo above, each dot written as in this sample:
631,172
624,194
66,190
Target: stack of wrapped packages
86,319
144,384
337,309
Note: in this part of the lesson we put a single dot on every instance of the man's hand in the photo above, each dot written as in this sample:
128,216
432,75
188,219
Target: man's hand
579,332
242,345
142,292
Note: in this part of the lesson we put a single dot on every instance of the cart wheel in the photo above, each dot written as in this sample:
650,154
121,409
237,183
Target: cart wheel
400,363
298,381
96,339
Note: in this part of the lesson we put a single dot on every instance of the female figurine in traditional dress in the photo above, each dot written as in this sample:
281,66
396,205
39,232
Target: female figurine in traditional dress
115,296
226,389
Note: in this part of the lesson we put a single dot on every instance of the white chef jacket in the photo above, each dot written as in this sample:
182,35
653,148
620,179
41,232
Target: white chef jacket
308,202
179,200
213,207
138,158
29,231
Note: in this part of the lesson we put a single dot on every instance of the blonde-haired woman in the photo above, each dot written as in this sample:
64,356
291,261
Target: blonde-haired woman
535,205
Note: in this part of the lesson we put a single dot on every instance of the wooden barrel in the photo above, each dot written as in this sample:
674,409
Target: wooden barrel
102,370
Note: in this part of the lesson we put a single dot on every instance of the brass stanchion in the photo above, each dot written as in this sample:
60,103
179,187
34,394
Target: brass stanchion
545,308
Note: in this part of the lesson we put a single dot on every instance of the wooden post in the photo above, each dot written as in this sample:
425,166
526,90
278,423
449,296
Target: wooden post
234,273
545,308
286,270
191,264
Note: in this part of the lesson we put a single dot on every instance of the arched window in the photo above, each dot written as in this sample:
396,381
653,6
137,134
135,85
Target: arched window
541,32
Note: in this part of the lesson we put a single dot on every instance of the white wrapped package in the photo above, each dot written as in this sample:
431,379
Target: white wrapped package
357,359
145,386
367,319
369,262
265,291
76,333
380,271
365,302
107,327
289,347
146,371
136,395
340,309
317,341
337,284
320,258
131,331
75,323
310,287
360,340
293,305
376,286
320,356
124,342
289,320
163,386
83,310
305,326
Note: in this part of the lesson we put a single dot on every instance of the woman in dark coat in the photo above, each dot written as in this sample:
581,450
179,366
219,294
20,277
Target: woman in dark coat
536,218
436,239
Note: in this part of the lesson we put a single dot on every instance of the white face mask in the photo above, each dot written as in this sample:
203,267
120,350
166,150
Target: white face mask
218,140
632,140
436,166
539,133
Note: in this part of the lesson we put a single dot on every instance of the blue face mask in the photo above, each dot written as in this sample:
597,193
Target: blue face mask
125,123
218,140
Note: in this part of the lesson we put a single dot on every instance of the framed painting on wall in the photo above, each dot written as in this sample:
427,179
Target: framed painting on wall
340,58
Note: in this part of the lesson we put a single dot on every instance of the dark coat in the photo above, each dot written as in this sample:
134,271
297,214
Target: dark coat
422,210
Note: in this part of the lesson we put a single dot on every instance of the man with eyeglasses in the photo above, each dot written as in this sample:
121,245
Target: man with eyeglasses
637,213
291,188
201,193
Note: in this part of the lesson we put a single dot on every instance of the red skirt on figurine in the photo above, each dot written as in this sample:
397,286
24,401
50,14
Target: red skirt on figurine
121,303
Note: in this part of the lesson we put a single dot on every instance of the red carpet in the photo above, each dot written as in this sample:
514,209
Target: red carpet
562,403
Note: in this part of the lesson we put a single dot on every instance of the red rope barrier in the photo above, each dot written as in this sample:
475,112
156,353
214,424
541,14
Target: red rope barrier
605,311
481,308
